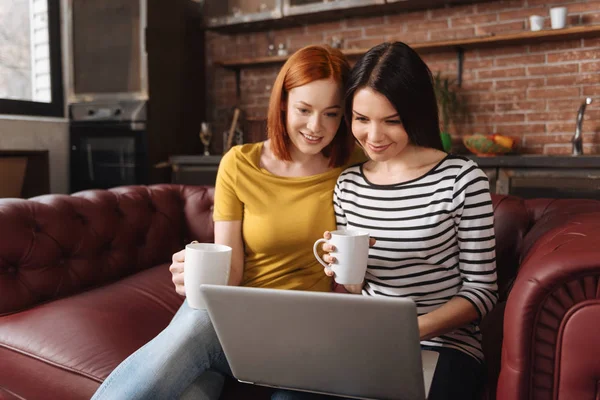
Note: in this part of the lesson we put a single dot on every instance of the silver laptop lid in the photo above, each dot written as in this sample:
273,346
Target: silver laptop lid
350,345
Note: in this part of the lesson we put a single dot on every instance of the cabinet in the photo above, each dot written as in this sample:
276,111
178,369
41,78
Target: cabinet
524,176
252,15
301,7
231,12
24,173
194,170
492,175
532,176
551,183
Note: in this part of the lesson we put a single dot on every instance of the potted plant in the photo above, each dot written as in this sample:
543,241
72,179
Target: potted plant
449,104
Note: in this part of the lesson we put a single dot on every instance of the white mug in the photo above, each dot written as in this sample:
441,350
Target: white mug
536,23
351,252
558,17
204,263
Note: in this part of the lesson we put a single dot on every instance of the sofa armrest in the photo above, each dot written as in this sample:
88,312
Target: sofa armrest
552,318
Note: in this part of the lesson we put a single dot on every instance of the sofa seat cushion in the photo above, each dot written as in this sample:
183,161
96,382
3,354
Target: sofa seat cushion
70,345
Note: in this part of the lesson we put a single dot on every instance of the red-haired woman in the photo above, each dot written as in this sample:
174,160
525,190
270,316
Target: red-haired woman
272,199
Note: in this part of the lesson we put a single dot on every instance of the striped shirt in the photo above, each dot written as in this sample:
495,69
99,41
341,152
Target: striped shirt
435,240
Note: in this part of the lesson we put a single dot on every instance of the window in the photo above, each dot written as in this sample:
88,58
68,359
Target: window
30,58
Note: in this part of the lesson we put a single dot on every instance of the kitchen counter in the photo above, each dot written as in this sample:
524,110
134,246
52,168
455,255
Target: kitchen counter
535,176
213,159
194,169
508,161
527,176
537,161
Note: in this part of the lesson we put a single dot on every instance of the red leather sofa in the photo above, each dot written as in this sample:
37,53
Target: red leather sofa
84,282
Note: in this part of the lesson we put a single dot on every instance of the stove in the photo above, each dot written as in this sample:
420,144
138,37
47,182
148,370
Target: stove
108,144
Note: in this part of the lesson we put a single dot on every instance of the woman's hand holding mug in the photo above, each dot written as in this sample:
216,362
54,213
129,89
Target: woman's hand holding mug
352,250
176,269
207,263
328,258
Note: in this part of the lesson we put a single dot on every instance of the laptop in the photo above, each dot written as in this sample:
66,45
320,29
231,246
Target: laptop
330,343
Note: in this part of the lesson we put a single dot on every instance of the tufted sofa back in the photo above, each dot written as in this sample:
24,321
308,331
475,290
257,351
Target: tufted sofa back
56,245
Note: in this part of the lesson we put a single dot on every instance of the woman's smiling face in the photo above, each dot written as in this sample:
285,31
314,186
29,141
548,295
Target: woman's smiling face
377,126
314,114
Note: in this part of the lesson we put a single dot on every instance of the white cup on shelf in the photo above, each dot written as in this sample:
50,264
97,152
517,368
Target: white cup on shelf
558,17
536,22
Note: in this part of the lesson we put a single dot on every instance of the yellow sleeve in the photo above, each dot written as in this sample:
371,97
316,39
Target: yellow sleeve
228,206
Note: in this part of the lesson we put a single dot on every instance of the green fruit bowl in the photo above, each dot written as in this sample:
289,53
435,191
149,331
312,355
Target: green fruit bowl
484,146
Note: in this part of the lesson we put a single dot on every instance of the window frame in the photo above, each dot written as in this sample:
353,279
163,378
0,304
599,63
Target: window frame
56,108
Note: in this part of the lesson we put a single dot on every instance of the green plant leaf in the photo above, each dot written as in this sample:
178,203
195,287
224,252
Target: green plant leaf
450,106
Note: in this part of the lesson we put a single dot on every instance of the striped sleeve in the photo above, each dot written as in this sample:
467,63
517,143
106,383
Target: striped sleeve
474,221
340,216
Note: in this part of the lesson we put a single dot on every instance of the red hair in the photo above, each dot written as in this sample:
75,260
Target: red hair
310,63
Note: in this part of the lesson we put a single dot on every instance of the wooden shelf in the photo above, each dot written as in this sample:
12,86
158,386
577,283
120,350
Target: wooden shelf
324,11
514,38
448,45
250,62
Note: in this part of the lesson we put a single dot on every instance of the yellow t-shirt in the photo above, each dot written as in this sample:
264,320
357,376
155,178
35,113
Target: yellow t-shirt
281,219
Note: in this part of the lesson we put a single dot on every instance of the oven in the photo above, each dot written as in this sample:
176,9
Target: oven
108,145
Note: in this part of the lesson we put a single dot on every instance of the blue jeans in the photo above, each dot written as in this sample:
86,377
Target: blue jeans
168,365
457,376
281,394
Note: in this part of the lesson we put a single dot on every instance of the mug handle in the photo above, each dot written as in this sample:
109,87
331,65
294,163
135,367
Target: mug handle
319,259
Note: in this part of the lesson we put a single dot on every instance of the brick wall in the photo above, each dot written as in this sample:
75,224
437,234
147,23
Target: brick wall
531,92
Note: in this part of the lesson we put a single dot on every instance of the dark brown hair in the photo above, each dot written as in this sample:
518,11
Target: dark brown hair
396,71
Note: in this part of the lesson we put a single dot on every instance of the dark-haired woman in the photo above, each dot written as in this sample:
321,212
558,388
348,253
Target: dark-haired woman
430,213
